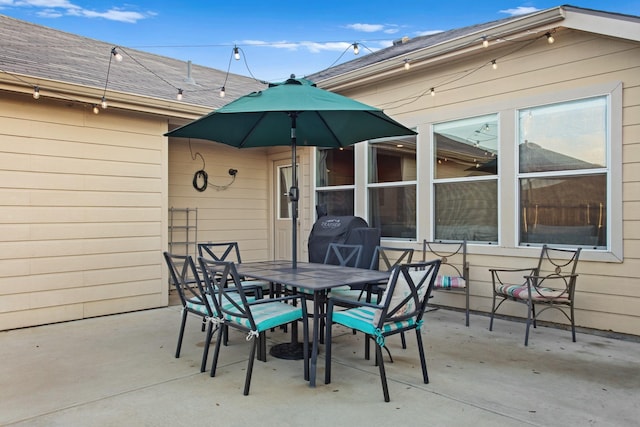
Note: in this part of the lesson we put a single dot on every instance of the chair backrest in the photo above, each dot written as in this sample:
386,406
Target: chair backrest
343,255
407,292
183,274
387,257
452,256
555,262
224,283
220,251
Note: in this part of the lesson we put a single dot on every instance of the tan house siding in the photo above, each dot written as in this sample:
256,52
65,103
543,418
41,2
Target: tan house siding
578,64
81,218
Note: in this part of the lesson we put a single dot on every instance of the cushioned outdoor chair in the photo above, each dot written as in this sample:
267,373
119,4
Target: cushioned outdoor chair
346,256
454,268
251,317
230,251
384,259
184,276
401,309
551,284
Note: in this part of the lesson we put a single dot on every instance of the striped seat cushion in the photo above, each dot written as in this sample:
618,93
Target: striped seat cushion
449,282
362,319
265,285
346,292
194,304
269,315
537,294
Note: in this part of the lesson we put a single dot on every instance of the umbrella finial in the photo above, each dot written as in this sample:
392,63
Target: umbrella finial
292,76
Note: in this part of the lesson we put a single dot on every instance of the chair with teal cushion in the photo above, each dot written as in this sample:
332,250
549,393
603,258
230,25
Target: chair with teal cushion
401,309
251,317
454,268
551,284
183,275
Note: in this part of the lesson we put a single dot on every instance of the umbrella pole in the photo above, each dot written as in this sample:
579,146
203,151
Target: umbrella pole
294,194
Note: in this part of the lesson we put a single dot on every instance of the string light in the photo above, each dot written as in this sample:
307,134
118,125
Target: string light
432,91
116,54
104,103
407,64
485,41
550,38
36,92
356,49
179,95
222,92
494,64
236,53
96,110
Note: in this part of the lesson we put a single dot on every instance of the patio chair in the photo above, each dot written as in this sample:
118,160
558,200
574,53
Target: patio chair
454,268
400,309
552,284
344,255
184,276
251,317
230,251
384,259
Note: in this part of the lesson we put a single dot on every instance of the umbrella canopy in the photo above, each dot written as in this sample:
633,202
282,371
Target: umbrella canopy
294,112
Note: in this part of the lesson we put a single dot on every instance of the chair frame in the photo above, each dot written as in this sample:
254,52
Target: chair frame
540,279
446,251
191,290
394,316
218,274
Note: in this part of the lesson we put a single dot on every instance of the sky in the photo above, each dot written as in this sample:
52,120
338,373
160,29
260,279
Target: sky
275,38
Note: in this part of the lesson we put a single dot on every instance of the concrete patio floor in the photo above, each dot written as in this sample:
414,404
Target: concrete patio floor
120,371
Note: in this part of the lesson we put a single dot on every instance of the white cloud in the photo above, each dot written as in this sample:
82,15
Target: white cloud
59,8
520,10
313,47
366,28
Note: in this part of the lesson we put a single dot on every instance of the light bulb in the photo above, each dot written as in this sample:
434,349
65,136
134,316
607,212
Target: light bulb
407,64
550,38
356,49
116,54
36,92
222,93
433,91
236,53
179,95
485,42
96,110
494,64
104,103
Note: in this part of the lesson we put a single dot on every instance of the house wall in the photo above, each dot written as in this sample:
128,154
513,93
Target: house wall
577,64
83,212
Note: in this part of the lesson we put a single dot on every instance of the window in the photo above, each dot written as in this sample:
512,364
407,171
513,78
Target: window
335,181
392,186
563,173
466,179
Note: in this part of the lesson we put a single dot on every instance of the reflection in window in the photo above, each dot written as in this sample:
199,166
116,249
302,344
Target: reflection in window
466,179
392,186
563,176
335,182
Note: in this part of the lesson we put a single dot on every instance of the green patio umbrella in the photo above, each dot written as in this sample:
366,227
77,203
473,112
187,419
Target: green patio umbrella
294,112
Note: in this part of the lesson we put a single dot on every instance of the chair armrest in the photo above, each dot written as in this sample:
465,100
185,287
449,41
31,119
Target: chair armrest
511,270
352,303
281,299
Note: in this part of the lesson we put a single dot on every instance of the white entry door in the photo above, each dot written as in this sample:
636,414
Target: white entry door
282,210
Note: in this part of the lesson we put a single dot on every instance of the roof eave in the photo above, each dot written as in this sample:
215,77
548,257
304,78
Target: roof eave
454,47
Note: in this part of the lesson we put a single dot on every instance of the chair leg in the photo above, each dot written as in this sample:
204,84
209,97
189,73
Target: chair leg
383,375
423,361
573,323
216,352
467,306
207,343
252,356
181,333
403,340
526,335
327,353
493,311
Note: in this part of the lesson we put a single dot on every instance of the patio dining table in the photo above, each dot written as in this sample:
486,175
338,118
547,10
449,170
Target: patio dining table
316,278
